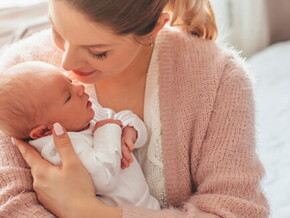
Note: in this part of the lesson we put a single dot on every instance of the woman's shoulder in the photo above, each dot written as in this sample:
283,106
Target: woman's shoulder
193,54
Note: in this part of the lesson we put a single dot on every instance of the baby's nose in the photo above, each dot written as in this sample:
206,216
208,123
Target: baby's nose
80,89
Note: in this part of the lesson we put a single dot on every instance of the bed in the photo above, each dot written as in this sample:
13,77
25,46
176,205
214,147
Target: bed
271,71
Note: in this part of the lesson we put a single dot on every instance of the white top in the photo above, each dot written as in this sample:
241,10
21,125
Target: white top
150,155
100,153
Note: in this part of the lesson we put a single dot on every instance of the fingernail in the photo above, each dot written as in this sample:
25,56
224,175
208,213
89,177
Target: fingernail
58,129
13,141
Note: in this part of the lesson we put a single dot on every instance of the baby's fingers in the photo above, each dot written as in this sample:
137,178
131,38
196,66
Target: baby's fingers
126,153
130,144
124,163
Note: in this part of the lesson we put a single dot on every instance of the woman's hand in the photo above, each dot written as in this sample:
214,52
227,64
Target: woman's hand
65,190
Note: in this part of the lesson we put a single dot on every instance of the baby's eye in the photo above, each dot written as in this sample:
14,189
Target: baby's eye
69,97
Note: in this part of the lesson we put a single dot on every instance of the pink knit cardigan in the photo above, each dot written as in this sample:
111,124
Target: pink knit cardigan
208,137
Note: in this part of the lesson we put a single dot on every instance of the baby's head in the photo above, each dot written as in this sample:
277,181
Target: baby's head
34,95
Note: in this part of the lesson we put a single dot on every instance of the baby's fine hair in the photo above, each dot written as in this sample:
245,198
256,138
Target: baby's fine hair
18,114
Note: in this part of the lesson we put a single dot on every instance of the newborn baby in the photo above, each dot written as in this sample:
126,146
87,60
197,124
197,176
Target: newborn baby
35,95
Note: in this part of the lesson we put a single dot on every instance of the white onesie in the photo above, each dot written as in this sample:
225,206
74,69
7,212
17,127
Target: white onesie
100,153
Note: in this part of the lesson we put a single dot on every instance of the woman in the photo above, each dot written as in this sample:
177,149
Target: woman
194,97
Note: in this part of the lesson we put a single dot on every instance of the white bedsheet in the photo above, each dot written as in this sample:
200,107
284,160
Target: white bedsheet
271,68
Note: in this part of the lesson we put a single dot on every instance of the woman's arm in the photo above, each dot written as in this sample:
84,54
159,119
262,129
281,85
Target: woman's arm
228,172
17,197
65,190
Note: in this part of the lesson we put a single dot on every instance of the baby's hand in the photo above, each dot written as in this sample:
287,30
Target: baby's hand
104,122
129,137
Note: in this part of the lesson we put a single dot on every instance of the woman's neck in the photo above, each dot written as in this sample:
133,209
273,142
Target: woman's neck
136,70
126,91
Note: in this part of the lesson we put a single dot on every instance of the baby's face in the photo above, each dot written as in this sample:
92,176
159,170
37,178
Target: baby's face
62,100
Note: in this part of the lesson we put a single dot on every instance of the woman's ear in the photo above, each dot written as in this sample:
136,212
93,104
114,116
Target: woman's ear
40,131
162,20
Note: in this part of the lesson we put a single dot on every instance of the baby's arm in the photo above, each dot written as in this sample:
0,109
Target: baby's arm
128,118
107,153
134,133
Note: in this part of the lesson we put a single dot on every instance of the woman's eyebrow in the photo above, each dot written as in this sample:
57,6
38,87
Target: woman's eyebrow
96,46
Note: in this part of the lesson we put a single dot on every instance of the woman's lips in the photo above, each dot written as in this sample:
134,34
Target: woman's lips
83,73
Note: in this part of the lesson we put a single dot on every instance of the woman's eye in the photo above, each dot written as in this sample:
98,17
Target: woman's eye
102,55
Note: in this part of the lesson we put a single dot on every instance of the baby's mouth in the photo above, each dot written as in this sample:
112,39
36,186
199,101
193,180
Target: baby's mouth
89,104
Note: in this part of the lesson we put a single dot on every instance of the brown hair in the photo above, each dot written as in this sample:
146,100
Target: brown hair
139,17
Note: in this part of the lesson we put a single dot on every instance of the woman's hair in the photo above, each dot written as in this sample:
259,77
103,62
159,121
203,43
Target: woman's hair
139,17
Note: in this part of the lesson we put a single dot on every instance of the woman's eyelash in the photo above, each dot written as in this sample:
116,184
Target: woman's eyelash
102,55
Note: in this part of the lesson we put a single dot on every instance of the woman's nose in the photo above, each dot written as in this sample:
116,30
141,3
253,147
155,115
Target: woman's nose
69,58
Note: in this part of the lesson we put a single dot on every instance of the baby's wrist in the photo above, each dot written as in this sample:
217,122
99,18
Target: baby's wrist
107,121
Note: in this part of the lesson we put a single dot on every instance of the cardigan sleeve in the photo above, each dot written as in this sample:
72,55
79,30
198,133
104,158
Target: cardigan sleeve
17,198
228,174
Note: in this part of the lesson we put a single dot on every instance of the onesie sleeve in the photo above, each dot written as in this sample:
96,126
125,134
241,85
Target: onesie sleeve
103,160
130,119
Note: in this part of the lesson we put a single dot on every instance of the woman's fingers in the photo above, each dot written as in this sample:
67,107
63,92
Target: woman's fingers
30,155
63,145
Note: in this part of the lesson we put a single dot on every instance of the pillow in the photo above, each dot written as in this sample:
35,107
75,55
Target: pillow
271,69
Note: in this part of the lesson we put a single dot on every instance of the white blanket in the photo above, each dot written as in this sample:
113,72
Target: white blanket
271,69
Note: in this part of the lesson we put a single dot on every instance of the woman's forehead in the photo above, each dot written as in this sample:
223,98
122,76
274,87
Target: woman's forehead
77,29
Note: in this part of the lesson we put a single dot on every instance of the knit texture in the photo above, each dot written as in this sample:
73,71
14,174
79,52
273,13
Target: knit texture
150,155
208,139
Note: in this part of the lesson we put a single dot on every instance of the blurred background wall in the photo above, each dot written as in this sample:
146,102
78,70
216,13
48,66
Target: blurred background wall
252,25
279,20
248,25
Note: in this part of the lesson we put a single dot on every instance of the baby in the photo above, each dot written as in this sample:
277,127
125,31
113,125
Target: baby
35,95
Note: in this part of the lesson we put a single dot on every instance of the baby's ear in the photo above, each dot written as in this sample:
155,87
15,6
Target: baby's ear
40,131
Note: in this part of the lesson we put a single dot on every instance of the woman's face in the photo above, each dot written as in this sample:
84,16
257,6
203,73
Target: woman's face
91,51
